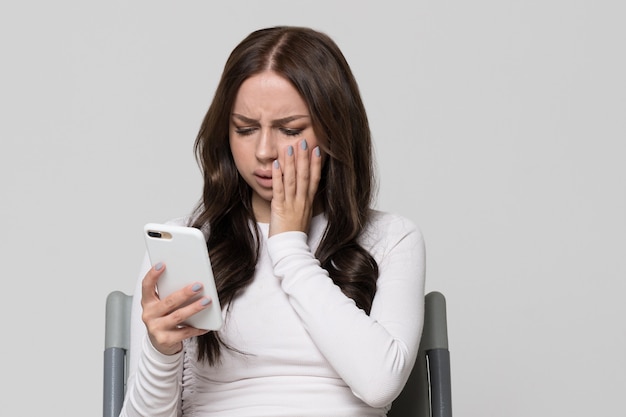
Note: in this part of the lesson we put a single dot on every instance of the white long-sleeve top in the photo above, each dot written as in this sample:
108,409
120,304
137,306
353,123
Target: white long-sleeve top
305,349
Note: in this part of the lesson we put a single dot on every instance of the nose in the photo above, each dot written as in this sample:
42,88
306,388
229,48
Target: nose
266,146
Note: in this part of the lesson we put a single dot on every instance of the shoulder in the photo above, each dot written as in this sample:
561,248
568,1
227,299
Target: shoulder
187,221
179,221
386,230
382,222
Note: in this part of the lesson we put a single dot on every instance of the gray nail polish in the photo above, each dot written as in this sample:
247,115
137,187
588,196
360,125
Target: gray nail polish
158,266
196,287
303,144
205,301
290,150
317,151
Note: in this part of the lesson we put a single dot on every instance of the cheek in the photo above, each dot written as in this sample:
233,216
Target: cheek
239,155
282,150
314,141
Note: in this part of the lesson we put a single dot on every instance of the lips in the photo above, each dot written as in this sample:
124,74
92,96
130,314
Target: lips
263,178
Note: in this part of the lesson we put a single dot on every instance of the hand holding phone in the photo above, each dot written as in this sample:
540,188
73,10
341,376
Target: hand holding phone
183,251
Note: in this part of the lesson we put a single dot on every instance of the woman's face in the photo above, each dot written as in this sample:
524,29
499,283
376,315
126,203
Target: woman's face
268,116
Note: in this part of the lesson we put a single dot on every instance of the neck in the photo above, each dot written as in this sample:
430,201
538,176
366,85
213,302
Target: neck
261,208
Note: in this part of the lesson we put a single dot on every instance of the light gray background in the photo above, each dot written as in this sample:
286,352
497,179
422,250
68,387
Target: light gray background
499,128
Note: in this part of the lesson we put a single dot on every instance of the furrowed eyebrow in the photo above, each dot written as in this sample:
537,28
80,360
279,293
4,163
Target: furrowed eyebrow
277,122
244,119
286,120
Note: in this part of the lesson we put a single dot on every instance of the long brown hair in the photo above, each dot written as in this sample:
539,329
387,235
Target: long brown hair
315,66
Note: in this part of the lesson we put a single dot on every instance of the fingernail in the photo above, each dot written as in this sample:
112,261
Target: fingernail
276,163
317,151
303,144
158,266
205,301
196,287
290,150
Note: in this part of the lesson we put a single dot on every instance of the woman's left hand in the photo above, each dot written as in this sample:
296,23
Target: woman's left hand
294,185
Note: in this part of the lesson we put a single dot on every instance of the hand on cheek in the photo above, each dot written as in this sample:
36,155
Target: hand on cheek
294,185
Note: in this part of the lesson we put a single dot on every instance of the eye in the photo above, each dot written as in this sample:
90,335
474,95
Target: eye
244,131
291,132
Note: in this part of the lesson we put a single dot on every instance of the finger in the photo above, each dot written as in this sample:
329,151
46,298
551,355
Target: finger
148,284
302,171
173,321
166,334
278,191
316,172
289,173
175,300
180,315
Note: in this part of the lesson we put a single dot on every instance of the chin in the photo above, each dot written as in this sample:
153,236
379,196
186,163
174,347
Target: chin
264,195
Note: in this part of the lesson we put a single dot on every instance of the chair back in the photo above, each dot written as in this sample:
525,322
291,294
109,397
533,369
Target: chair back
116,346
427,393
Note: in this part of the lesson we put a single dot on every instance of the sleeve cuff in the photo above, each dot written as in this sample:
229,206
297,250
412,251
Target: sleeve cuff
158,357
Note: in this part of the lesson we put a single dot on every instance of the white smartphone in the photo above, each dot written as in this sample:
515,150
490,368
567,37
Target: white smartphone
183,251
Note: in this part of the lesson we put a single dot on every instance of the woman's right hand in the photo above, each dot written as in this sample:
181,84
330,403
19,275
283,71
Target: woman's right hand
163,318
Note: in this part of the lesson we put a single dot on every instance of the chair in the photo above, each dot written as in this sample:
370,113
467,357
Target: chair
427,393
116,346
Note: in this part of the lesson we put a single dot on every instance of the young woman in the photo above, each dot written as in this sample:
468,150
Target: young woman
322,295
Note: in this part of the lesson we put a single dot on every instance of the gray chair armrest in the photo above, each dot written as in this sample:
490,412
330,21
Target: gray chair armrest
116,345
